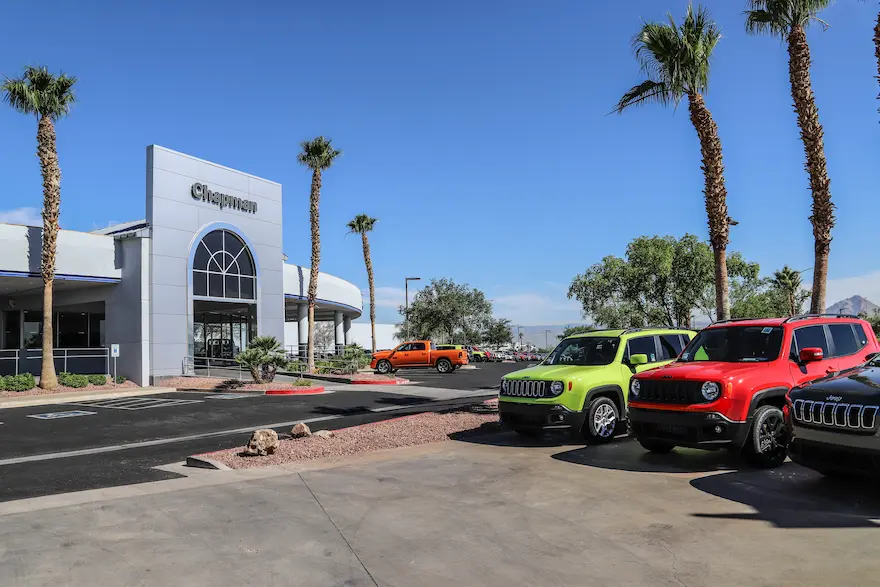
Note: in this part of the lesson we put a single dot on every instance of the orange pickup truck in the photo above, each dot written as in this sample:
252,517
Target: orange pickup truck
418,353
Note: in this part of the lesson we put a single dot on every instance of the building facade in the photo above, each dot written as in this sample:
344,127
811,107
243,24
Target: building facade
187,287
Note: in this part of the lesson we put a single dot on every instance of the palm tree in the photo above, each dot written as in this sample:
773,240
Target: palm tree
788,281
318,155
676,61
788,20
362,224
48,98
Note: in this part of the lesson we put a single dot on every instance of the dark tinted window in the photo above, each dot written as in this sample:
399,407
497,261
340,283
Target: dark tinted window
861,335
417,346
670,346
844,338
733,344
811,337
592,350
403,347
643,345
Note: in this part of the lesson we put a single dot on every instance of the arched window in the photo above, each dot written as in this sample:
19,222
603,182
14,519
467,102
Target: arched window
223,267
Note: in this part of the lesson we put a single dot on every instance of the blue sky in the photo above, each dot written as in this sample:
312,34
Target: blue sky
476,131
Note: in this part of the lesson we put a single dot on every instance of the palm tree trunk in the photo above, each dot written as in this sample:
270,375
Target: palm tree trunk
369,262
51,171
877,50
314,201
812,136
716,197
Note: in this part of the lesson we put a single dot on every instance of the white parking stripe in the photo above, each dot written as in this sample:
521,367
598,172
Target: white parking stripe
136,403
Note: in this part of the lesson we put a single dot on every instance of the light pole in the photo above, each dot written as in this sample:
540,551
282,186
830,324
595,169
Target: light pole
519,332
406,281
546,343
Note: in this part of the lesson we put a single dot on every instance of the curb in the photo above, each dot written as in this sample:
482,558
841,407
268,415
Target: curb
380,382
202,462
303,391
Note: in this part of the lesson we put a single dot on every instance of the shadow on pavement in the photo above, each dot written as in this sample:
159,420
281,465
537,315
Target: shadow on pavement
402,400
625,454
334,411
492,434
794,497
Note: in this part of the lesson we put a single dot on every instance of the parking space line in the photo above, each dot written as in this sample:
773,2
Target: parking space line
136,403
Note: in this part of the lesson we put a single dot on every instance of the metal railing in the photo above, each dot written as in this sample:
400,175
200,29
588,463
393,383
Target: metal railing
64,356
228,368
11,355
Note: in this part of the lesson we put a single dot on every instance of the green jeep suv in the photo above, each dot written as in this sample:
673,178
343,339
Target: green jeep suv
582,385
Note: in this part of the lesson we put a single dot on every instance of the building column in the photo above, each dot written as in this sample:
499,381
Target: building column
302,329
339,337
346,329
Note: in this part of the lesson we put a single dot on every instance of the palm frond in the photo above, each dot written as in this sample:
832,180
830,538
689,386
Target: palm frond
645,92
41,93
778,17
362,223
318,154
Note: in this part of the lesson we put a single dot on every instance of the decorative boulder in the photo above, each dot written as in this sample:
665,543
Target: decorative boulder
301,430
323,434
262,443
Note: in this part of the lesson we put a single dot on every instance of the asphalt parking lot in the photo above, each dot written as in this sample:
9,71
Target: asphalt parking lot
483,376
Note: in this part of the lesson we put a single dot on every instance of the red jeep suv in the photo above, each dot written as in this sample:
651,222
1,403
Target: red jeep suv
727,388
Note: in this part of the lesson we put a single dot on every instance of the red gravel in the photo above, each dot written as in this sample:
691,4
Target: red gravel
226,384
364,376
407,431
63,389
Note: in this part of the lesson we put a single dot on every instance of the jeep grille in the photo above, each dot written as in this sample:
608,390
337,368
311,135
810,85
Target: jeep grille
524,388
670,391
851,417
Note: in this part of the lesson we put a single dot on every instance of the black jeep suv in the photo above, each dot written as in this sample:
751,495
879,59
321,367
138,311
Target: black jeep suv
833,422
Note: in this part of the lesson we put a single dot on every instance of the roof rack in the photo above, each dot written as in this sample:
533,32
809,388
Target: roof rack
732,320
630,330
809,316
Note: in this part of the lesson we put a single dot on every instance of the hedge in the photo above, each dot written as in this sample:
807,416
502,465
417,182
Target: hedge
72,380
20,382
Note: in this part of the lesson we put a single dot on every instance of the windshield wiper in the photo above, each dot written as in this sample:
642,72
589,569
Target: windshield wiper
753,360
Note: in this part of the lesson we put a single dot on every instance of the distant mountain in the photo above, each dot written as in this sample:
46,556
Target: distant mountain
853,305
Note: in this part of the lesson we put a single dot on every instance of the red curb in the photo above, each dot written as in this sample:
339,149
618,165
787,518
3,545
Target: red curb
380,382
302,391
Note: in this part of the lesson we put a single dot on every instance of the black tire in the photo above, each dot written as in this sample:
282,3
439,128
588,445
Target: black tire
767,443
655,446
444,365
603,419
384,367
529,432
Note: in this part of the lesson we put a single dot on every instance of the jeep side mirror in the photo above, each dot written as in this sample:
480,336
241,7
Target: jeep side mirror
811,354
638,359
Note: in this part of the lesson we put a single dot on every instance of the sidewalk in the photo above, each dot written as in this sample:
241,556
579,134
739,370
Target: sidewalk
76,396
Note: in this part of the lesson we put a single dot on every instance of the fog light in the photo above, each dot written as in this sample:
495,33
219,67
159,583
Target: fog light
719,429
557,417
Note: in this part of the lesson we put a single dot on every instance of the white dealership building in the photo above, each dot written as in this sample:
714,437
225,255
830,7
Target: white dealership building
193,282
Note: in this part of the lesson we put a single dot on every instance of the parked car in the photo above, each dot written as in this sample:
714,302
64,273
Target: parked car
419,353
582,384
728,387
832,422
477,355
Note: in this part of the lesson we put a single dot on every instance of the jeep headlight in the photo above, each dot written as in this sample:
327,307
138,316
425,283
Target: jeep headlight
504,385
557,387
634,387
710,391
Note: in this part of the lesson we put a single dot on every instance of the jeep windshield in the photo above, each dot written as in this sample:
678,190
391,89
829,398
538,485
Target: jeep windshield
735,344
585,351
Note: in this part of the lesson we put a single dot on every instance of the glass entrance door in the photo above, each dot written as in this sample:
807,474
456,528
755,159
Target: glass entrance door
221,330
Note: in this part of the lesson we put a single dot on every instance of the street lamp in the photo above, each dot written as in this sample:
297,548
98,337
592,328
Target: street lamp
406,301
519,331
546,343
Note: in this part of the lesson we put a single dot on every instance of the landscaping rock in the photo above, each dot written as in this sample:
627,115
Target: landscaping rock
301,430
323,434
262,443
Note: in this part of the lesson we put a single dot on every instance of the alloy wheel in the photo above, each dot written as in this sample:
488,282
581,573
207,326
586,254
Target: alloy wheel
604,421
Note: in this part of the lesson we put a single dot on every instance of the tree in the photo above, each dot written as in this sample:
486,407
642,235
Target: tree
362,224
788,20
498,332
325,335
874,319
445,308
263,357
572,330
318,155
662,280
676,60
48,97
788,281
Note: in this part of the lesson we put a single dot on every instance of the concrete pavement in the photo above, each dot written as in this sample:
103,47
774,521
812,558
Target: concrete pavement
486,512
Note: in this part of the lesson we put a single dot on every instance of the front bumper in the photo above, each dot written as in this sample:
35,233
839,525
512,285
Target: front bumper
539,416
706,430
829,451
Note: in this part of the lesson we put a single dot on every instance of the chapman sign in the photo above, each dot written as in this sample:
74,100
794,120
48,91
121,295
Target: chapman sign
201,192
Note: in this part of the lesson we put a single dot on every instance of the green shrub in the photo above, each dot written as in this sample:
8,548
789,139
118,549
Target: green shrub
97,379
72,380
20,382
121,379
302,383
